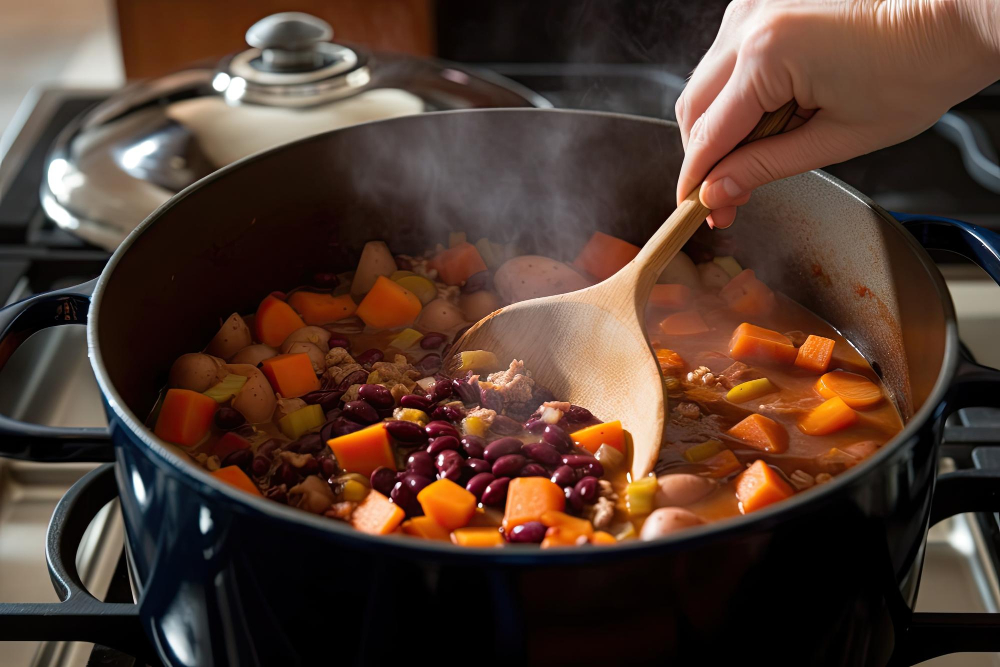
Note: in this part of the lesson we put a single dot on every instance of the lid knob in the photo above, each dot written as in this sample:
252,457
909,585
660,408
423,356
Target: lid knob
288,41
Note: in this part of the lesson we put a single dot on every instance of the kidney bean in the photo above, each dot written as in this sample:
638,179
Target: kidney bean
534,426
558,438
241,458
542,452
357,377
477,282
437,428
227,418
533,470
327,467
338,427
508,466
432,340
447,459
309,467
531,532
430,364
376,396
573,498
244,431
502,447
260,466
441,390
370,356
286,474
361,412
382,480
504,425
402,495
453,473
310,443
414,402
406,432
586,463
474,446
339,341
267,448
415,482
577,414
587,488
495,493
421,463
325,279
278,494
468,393
563,476
328,399
478,484
440,444
478,465
593,469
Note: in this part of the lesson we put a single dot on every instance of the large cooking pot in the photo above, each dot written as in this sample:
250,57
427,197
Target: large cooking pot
828,577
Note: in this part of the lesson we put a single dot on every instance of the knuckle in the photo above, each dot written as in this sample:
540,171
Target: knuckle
681,109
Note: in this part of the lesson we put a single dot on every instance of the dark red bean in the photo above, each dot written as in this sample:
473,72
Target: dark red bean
587,488
415,482
474,446
361,412
477,282
244,431
376,396
414,402
508,466
564,476
327,467
534,426
493,401
286,474
447,459
558,438
502,447
432,340
268,448
310,443
383,479
357,377
260,466
339,341
370,356
338,427
577,460
542,395
227,418
478,465
325,279
441,390
430,364
448,413
309,467
576,414
495,493
406,432
504,425
402,495
532,532
467,392
542,452
452,472
533,470
241,458
594,469
437,428
326,399
478,484
573,498
278,494
421,463
440,444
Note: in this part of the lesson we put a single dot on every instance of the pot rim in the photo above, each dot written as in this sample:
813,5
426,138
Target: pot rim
256,507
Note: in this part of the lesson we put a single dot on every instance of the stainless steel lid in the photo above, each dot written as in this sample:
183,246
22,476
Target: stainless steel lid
113,166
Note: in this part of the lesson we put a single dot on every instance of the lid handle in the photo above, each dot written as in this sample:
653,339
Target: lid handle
288,41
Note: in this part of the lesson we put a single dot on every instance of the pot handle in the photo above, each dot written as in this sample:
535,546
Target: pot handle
36,442
975,243
80,616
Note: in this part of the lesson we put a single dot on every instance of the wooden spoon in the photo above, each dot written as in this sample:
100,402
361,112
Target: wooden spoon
590,347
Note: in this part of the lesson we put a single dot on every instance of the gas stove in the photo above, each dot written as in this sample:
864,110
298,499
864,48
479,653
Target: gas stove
49,381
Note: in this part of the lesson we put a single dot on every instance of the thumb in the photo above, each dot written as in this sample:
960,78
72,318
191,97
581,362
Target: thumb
817,143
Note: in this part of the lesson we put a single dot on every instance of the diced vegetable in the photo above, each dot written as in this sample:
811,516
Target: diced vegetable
601,538
672,296
713,277
836,460
748,391
753,343
640,496
411,415
857,391
746,295
761,433
365,450
456,239
322,308
625,531
830,416
610,458
478,360
528,498
405,339
291,375
684,323
729,265
494,254
377,515
604,255
477,537
608,433
560,536
425,527
456,265
721,465
759,486
447,503
275,321
553,518
815,354
681,270
228,444
422,288
671,363
703,451
388,305
376,262
233,336
303,420
185,417
225,390
396,275
354,490
236,477
475,426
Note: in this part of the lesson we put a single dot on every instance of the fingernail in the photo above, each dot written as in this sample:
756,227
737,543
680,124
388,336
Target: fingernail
720,193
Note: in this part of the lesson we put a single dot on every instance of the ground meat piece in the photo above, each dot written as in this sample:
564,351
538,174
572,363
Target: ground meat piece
485,414
605,490
313,495
339,364
797,408
688,410
351,394
295,459
341,511
397,371
419,265
398,391
287,406
514,387
601,513
709,427
737,373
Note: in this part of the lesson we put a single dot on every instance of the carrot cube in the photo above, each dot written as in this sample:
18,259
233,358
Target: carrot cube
388,305
274,321
560,536
377,515
447,503
830,416
528,498
321,308
747,295
753,343
759,486
684,323
673,297
761,433
721,465
291,375
228,444
457,264
592,437
363,451
477,537
185,417
236,477
857,391
424,527
605,255
815,354
553,518
600,538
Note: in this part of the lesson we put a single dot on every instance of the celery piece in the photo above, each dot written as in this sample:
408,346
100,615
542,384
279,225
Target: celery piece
455,238
640,495
705,450
225,390
475,426
354,491
300,422
405,339
478,360
747,391
609,457
729,265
